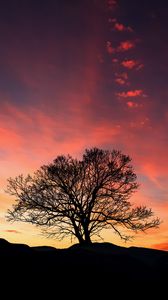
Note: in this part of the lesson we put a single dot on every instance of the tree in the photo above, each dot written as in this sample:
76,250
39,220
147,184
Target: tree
81,197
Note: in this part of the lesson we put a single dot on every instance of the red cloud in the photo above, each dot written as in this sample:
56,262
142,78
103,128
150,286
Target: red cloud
111,4
131,63
131,104
121,27
120,81
126,45
115,60
121,78
109,48
123,75
130,94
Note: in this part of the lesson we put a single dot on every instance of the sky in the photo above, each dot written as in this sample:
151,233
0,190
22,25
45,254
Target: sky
78,74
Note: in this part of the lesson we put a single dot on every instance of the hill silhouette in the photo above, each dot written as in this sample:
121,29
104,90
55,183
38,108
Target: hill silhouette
103,263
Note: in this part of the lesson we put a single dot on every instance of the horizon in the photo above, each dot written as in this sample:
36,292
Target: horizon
79,74
78,244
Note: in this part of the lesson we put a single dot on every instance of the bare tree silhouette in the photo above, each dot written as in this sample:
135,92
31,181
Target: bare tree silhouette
81,197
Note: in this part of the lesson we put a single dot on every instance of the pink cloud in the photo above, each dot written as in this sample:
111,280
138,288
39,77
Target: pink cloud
7,136
130,94
30,144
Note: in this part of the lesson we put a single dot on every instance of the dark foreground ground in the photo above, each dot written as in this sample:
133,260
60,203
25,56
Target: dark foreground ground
99,268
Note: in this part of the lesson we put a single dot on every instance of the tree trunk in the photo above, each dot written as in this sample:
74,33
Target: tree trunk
86,240
77,233
79,236
87,235
83,240
80,239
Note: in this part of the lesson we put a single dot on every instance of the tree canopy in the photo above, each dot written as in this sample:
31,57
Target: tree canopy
79,198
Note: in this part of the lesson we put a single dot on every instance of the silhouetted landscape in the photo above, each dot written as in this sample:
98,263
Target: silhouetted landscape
100,262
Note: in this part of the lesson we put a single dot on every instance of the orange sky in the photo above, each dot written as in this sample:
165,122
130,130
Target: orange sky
77,75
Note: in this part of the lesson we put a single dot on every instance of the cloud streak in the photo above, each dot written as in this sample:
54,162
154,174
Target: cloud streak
161,246
131,94
131,104
12,231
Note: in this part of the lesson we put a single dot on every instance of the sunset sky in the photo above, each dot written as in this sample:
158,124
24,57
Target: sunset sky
81,73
